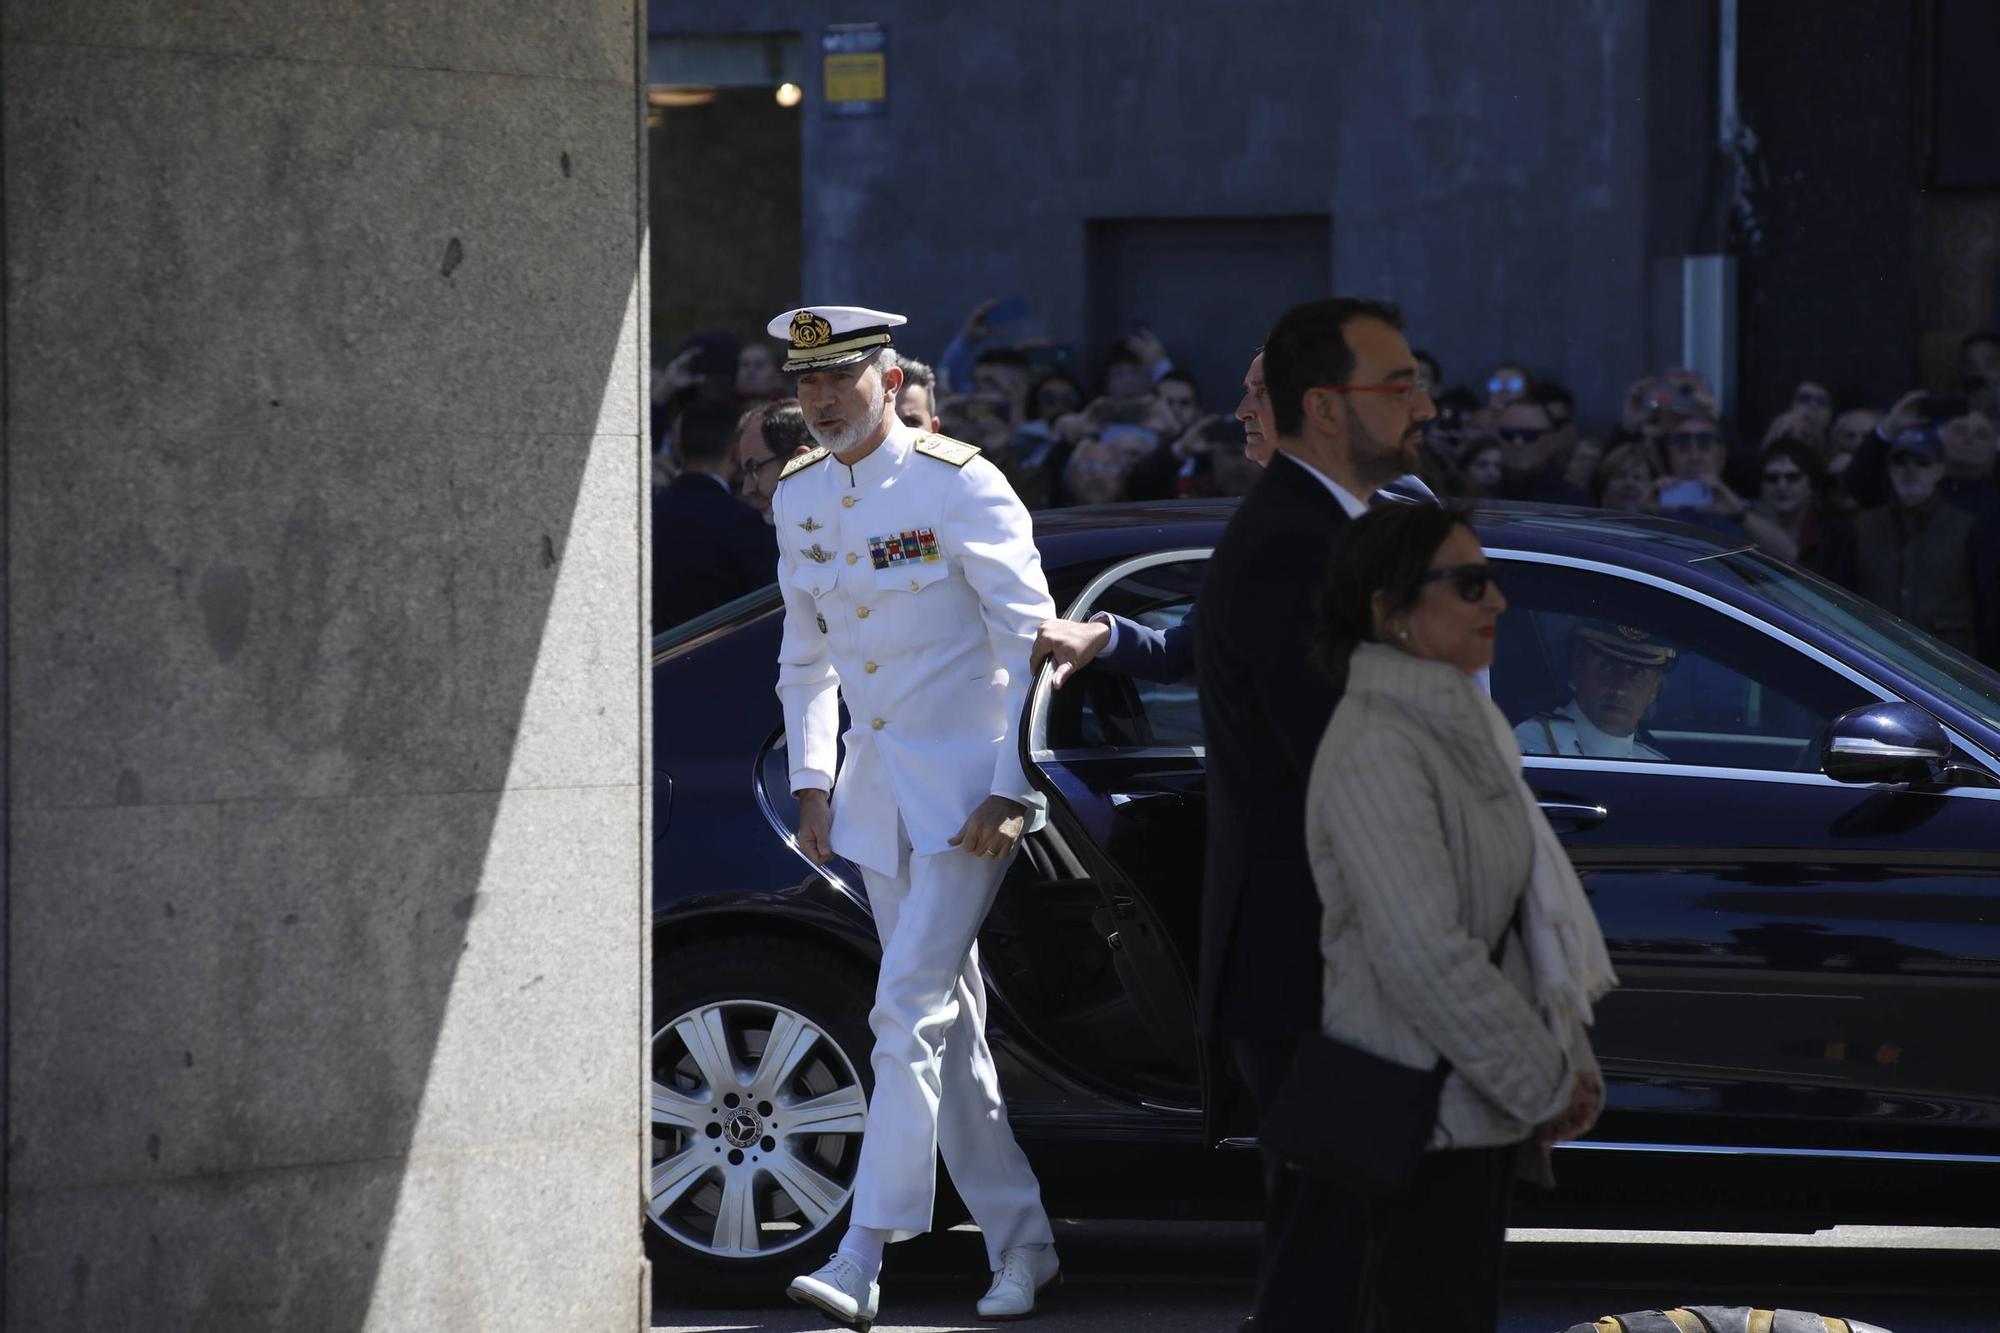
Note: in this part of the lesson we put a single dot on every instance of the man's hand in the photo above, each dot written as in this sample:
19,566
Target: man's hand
1146,345
975,329
1907,414
1586,1099
680,372
992,829
1195,439
1073,426
815,826
1072,643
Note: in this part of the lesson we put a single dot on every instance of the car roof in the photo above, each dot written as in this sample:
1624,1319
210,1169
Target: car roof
1093,535
1098,532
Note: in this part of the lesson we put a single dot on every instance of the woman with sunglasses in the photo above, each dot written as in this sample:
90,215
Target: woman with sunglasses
1793,499
1458,945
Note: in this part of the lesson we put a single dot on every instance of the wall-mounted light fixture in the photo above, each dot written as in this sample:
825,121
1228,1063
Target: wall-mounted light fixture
679,94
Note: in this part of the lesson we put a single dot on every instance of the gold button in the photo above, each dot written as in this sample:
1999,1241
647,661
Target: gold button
847,502
851,557
914,585
815,592
878,724
861,611
869,667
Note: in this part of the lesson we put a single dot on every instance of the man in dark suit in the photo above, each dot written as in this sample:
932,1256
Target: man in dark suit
708,546
1349,415
1125,646
1128,648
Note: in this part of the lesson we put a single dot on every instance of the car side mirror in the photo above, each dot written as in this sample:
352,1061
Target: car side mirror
1886,742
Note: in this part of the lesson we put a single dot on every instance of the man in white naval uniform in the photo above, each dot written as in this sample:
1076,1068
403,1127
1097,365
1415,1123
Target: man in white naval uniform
913,589
1615,677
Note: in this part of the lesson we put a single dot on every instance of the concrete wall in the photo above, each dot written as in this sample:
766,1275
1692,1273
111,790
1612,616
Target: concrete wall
1508,174
325,720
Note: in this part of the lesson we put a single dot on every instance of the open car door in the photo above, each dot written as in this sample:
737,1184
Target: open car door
1121,763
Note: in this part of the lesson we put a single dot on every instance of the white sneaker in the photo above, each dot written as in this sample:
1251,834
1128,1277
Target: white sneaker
1024,1271
839,1292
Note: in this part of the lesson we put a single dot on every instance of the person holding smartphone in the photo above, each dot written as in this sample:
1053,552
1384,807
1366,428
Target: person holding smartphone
1694,492
1693,489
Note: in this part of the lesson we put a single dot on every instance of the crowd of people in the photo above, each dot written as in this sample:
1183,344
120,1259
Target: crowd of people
1897,502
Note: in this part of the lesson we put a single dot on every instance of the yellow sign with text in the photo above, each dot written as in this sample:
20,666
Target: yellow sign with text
860,77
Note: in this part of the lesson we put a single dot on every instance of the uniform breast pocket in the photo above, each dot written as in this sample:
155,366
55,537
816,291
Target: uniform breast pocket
814,581
911,577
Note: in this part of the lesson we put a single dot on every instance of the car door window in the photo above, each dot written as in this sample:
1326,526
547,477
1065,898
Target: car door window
1594,665
1100,709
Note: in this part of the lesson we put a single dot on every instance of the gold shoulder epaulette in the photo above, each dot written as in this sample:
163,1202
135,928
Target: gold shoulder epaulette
947,450
803,461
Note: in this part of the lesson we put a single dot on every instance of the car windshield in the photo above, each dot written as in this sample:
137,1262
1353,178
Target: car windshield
1941,668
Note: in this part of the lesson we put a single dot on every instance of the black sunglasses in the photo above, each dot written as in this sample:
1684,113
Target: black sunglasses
1523,434
1471,581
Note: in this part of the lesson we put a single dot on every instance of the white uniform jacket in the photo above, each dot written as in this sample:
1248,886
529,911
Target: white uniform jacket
1567,731
913,586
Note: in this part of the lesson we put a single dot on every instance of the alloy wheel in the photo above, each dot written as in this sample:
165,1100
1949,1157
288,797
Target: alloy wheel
757,1118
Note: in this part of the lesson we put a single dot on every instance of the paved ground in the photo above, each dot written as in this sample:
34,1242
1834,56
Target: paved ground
1188,1278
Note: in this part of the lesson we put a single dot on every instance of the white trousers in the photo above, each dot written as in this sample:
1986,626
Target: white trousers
936,1089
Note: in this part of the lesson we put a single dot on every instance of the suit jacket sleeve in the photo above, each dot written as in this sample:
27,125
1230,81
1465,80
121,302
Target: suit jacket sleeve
1270,621
755,551
807,684
1151,654
987,528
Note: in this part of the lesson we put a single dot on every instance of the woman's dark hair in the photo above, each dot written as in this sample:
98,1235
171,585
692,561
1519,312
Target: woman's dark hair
1387,550
1616,460
1807,459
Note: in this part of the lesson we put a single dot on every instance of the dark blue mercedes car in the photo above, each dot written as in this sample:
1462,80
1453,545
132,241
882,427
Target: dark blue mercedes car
1802,899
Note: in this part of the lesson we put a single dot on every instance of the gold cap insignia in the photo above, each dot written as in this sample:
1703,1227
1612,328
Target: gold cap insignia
1625,643
809,330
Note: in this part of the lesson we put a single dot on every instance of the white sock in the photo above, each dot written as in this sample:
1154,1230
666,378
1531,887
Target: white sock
864,1245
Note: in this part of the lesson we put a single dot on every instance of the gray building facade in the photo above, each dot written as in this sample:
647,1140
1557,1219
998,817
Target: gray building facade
326,727
1519,178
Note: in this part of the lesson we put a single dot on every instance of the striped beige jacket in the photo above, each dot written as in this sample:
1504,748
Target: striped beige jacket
1418,832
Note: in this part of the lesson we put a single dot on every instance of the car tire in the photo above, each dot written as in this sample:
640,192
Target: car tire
741,1198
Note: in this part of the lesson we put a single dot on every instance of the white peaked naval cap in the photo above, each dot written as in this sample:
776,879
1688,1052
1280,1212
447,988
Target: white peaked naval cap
822,336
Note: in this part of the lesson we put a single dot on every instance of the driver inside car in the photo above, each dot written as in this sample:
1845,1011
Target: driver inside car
1615,676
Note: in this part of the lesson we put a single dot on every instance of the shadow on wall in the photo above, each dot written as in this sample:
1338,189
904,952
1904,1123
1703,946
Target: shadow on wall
325,444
